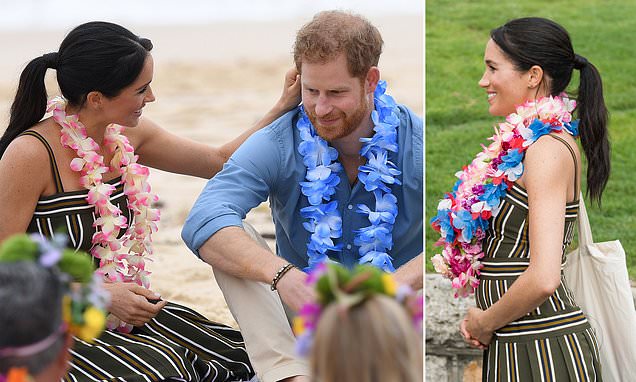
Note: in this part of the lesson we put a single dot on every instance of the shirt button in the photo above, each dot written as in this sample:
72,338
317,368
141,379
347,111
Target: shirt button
348,246
350,207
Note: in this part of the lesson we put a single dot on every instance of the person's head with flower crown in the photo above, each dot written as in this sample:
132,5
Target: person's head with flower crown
363,327
343,174
47,297
33,337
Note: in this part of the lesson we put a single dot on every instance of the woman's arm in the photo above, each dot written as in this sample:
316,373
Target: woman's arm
24,176
547,165
160,149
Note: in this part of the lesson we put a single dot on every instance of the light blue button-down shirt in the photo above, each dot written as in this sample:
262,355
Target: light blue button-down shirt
268,165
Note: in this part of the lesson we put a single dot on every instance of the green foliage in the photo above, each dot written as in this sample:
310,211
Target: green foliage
19,248
363,280
457,120
78,265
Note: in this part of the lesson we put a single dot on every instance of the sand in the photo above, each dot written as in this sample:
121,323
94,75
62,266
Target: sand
212,82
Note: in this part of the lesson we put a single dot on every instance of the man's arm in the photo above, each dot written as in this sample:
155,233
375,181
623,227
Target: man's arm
232,250
213,228
245,182
411,273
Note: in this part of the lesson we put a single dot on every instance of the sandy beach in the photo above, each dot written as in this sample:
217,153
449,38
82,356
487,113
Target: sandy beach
212,82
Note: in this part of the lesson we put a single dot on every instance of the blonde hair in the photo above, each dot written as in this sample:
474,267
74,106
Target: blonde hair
372,341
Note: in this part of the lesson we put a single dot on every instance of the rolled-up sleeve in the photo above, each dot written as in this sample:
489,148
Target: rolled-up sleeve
244,182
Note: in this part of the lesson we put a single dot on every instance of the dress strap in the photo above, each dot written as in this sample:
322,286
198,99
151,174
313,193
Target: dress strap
59,188
576,165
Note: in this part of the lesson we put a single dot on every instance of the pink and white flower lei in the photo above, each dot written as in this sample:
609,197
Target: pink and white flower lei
122,259
463,215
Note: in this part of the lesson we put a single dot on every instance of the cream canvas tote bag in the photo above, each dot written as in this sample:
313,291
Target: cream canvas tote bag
597,275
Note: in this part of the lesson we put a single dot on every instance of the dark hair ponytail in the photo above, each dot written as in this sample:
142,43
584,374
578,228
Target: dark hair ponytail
593,117
95,56
537,41
29,104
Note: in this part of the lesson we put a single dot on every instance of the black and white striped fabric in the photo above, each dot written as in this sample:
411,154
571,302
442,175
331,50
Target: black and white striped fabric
178,344
555,341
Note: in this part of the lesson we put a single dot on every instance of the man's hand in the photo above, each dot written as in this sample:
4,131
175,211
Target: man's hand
129,302
411,273
293,289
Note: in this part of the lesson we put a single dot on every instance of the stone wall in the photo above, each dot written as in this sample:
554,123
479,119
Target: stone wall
448,358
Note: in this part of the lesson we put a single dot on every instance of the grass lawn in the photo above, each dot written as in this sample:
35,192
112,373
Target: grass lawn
457,118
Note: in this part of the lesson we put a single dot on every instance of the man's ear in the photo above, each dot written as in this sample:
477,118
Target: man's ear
371,81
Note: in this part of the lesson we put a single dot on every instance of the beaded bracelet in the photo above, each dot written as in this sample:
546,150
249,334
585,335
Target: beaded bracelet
281,271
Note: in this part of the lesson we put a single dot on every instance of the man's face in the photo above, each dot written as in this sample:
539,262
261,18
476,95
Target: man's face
336,102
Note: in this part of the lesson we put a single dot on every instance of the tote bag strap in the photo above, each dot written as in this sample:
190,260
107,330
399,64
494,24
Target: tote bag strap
585,231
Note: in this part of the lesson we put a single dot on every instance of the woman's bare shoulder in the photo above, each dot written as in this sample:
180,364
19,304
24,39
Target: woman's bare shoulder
549,161
28,153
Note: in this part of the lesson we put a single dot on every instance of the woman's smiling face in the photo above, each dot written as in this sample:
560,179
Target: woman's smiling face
125,109
506,87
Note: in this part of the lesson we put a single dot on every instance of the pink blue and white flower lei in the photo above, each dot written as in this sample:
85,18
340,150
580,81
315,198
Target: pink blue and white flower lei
463,215
122,259
324,220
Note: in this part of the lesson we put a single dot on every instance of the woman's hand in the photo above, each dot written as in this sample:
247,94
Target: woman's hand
129,302
291,92
473,329
468,338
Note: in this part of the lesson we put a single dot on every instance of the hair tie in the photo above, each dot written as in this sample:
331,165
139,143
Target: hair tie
580,62
34,348
51,60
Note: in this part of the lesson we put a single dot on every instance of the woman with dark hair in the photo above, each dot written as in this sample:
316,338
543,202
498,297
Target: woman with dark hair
514,207
80,175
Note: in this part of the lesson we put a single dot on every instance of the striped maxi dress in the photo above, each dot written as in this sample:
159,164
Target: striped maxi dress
554,342
178,344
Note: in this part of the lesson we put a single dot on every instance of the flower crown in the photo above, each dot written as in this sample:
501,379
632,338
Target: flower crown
336,284
84,302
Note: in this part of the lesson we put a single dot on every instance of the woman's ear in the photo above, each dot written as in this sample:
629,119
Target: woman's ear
94,100
535,76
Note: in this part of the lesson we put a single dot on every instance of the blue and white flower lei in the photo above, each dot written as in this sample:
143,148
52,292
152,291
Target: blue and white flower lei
323,218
